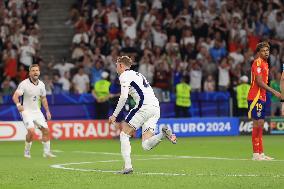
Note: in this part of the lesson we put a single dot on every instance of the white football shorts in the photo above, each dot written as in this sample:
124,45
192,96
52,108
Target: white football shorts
34,119
146,117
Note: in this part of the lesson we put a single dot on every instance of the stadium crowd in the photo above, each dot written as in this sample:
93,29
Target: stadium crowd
210,42
19,41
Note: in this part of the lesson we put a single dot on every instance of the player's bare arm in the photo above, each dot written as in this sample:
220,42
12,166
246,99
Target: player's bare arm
45,105
121,102
17,102
266,87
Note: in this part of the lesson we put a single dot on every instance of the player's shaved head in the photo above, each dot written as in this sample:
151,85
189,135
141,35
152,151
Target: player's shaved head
125,60
261,45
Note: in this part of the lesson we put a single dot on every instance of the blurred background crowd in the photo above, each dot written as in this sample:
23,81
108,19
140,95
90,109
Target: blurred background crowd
210,43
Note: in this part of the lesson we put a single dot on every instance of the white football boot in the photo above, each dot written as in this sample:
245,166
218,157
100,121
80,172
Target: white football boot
169,134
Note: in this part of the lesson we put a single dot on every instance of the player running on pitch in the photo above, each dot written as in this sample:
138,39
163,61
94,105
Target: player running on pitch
34,93
145,114
257,98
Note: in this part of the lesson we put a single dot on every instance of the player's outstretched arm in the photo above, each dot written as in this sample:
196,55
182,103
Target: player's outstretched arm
266,87
122,100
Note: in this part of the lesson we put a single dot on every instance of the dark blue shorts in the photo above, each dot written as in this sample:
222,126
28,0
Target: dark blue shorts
256,110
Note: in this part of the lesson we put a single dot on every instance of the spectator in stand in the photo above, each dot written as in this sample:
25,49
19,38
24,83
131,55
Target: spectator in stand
57,86
161,82
113,14
48,84
279,26
22,73
65,82
218,52
27,54
97,71
8,86
145,40
224,76
237,57
33,38
113,32
195,76
209,84
128,47
172,44
80,37
10,60
159,36
110,63
63,67
146,68
81,82
221,35
78,52
129,25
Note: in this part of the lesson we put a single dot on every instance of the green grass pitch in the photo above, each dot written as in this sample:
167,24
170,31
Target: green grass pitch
208,162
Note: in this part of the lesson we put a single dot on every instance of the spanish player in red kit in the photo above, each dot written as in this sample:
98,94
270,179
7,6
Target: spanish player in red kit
257,98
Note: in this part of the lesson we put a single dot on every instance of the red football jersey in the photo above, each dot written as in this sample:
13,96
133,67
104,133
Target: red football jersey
259,67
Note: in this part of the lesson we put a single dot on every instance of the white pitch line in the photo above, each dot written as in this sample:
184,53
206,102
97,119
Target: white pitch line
157,157
57,151
62,166
175,156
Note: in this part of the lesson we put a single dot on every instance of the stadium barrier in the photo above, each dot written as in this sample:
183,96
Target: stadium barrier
187,127
277,126
213,104
245,126
100,129
62,130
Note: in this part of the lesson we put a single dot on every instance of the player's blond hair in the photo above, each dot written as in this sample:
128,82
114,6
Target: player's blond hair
125,60
261,45
34,65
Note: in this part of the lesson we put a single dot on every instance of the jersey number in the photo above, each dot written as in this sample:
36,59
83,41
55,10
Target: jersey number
34,98
258,107
145,82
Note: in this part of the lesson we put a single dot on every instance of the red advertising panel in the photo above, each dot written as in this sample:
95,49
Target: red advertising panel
62,130
90,129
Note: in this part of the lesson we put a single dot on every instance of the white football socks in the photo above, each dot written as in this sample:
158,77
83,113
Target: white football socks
28,145
46,146
125,149
152,141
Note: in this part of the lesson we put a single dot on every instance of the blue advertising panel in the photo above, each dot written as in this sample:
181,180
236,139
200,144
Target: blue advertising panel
221,126
72,106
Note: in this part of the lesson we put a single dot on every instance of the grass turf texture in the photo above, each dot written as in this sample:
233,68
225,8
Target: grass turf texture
18,172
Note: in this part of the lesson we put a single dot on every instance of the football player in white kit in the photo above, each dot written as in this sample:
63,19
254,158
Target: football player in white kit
34,93
145,114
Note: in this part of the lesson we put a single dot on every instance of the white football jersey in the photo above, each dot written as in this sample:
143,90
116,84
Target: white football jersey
31,94
136,85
